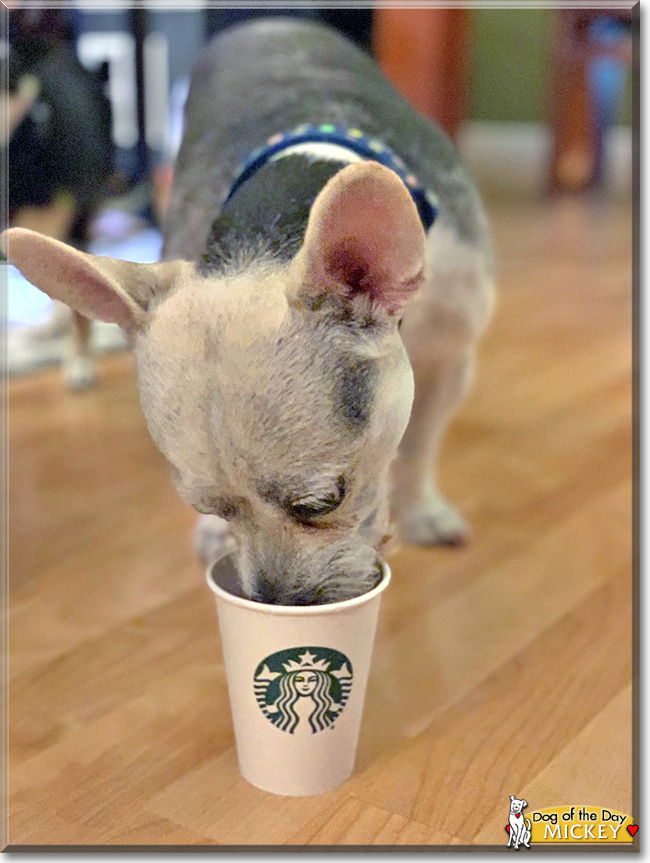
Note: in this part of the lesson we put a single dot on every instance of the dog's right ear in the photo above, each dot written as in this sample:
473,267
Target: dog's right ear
512,797
99,287
364,237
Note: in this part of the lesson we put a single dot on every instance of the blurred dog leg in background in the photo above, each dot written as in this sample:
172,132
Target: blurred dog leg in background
60,153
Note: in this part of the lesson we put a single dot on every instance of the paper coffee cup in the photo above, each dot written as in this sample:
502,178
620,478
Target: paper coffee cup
297,681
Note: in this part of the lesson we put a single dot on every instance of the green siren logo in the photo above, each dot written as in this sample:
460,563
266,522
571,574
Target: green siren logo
303,688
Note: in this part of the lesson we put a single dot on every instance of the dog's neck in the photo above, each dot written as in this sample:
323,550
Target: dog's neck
269,212
267,208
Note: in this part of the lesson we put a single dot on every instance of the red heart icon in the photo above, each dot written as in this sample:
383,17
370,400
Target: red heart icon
518,815
632,828
507,828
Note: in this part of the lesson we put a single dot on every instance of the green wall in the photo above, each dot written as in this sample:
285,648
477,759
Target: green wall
510,65
510,48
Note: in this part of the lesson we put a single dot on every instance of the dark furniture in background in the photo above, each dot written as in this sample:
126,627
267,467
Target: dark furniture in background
591,51
424,52
356,24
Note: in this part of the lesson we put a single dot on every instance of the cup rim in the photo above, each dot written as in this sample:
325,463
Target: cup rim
296,610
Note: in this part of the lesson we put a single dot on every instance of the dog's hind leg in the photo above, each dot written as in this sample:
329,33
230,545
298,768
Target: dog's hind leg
423,515
57,325
58,220
79,369
440,331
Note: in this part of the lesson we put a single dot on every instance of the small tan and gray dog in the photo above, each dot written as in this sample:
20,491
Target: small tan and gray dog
271,371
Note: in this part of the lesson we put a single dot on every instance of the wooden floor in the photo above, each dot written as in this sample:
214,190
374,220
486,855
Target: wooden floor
500,669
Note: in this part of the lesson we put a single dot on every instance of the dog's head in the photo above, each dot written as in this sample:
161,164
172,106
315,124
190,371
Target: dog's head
517,805
277,391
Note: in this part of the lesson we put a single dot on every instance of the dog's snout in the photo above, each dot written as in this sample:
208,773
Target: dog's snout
266,590
273,592
289,587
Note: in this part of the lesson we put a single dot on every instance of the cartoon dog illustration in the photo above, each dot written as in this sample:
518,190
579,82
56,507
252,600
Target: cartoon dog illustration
519,826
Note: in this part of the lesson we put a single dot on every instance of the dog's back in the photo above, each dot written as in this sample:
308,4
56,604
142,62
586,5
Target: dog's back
270,76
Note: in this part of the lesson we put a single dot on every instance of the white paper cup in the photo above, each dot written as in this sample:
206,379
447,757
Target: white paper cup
297,681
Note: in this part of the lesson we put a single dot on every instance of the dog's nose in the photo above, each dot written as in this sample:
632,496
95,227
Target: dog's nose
272,592
266,590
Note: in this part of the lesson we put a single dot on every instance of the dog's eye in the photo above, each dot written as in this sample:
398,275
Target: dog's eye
307,511
308,508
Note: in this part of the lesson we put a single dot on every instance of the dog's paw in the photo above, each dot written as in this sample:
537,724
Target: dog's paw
80,373
212,538
433,522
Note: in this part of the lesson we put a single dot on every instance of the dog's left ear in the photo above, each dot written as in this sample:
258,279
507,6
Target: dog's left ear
364,236
105,288
524,803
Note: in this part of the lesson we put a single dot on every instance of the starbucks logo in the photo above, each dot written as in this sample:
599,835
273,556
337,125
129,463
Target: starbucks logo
303,688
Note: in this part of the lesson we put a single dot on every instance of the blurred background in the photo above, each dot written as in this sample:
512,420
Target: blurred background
538,101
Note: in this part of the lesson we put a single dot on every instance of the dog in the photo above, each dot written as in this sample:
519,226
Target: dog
519,832
59,155
273,372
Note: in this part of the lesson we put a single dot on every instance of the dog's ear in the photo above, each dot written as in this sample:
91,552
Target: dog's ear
524,803
104,288
364,236
512,797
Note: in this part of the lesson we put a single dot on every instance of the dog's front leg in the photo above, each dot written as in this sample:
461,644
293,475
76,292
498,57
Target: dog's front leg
212,538
423,515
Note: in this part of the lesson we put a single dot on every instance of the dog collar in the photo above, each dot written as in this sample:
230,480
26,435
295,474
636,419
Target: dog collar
352,140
